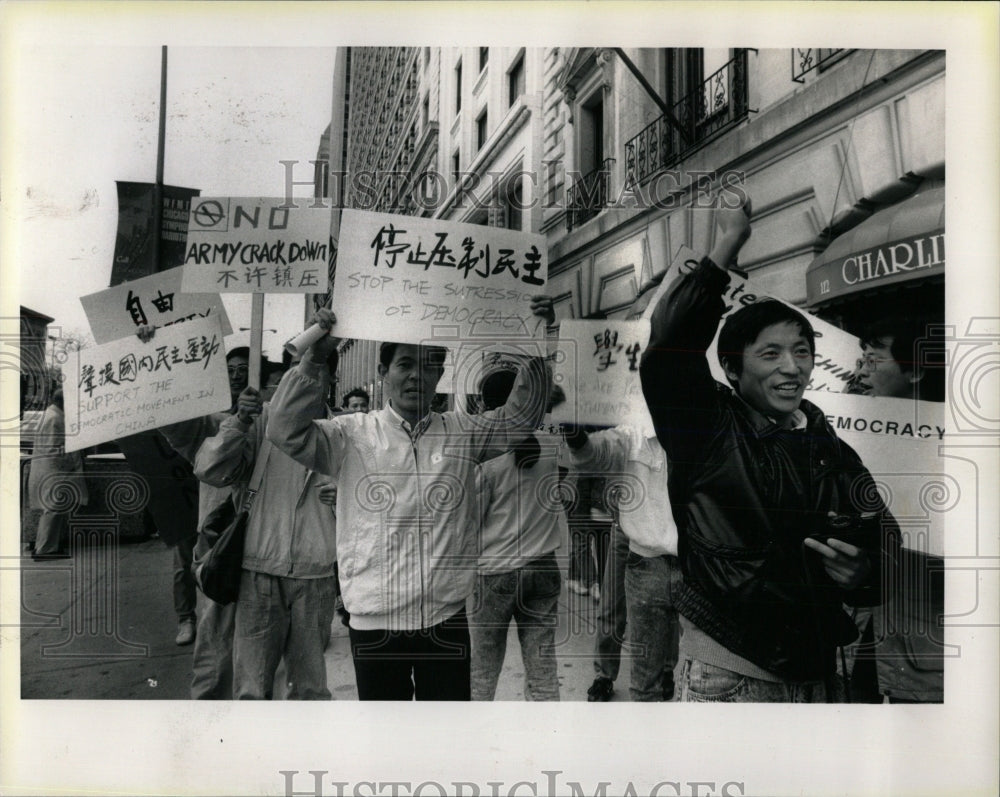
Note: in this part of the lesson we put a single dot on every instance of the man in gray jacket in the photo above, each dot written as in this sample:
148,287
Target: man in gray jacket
287,590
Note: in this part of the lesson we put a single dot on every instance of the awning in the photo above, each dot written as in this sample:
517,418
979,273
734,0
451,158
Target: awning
899,243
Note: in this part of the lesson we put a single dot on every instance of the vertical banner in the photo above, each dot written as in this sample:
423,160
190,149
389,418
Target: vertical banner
134,250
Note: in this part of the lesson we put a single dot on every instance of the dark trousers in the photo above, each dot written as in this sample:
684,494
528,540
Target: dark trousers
185,589
432,663
612,612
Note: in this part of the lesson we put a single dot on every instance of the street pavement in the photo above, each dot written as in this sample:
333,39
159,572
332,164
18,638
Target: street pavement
101,626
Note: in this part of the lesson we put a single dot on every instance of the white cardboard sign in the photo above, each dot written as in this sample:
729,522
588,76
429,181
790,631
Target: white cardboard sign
127,386
257,245
157,299
415,280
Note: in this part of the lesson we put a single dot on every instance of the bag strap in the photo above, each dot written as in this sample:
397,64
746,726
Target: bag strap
258,474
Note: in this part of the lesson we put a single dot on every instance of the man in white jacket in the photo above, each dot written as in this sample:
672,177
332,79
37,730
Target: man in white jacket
407,522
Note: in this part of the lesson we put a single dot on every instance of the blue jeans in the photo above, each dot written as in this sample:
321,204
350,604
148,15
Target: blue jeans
529,596
705,683
278,616
212,667
650,583
611,612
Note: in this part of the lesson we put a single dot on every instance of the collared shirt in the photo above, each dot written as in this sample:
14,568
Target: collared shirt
406,520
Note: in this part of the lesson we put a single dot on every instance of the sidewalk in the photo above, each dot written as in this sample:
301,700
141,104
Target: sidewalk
87,634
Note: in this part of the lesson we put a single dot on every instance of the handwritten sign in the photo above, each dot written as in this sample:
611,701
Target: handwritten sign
257,245
157,299
900,441
127,386
597,366
416,280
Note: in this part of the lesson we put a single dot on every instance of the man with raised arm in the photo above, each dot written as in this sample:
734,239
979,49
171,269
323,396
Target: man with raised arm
406,516
779,522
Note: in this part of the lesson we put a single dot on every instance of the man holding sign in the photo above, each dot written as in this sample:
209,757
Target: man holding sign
407,524
779,522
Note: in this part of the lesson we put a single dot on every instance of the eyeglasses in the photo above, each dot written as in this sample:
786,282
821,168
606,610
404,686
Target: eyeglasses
239,370
868,360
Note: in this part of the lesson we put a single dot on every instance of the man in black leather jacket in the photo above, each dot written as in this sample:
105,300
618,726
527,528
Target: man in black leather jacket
779,522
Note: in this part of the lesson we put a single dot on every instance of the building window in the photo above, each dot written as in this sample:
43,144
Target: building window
456,166
484,57
707,92
591,185
482,131
515,81
458,87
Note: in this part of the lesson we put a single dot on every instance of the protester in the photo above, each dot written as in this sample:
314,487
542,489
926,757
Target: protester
212,662
764,494
641,567
286,591
357,400
519,576
898,657
53,475
407,542
898,360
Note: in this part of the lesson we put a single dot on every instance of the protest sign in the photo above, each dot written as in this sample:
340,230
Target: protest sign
597,366
414,280
257,245
157,299
127,386
900,442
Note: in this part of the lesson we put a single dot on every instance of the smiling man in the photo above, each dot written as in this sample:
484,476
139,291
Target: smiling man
407,524
779,523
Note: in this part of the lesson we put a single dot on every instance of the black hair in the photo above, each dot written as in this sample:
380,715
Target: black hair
744,326
495,387
914,345
358,392
239,351
435,355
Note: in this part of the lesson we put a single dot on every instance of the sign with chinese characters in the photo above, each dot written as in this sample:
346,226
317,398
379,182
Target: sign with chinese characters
597,366
415,280
257,245
157,300
127,386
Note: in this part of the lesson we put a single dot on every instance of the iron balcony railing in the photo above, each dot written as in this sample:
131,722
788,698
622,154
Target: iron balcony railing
810,58
719,103
589,194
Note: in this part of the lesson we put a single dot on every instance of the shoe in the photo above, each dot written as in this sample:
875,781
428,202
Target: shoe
576,586
48,557
595,592
601,690
185,632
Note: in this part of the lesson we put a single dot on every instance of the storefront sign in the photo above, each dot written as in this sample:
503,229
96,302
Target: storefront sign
156,300
257,245
895,261
416,280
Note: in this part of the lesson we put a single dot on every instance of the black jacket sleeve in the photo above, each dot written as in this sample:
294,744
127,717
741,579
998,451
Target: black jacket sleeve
682,396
